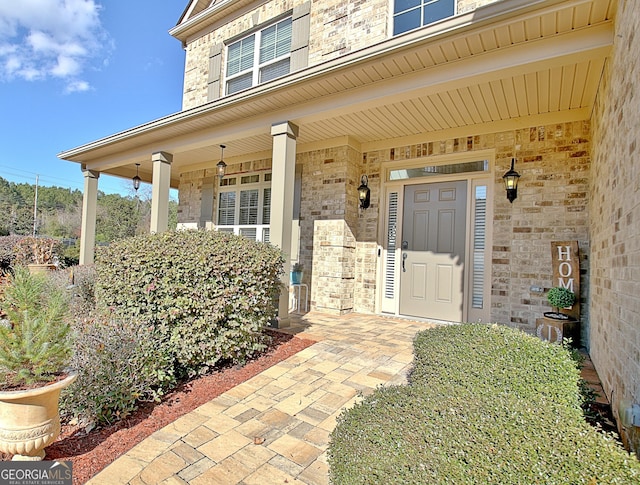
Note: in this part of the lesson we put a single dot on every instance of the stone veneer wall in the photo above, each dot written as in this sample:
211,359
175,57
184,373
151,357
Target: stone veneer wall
553,162
329,225
190,195
337,27
615,221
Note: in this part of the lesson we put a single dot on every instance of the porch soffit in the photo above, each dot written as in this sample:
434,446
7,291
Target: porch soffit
532,63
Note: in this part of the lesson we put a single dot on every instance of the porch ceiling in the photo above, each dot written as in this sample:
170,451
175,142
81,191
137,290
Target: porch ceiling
511,63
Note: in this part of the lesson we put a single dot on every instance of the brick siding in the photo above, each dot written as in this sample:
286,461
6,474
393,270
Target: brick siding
615,221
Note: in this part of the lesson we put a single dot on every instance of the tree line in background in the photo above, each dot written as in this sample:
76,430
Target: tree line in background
59,212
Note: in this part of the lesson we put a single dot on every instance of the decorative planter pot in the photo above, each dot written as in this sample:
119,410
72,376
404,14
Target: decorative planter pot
296,277
554,330
29,420
40,268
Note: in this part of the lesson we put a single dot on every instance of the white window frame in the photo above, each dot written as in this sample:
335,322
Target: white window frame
421,8
260,229
256,68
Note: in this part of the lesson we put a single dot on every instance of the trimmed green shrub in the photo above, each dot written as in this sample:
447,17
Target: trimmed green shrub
485,404
120,363
496,359
207,294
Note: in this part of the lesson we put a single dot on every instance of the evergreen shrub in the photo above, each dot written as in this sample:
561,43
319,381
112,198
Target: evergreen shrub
206,294
485,404
35,337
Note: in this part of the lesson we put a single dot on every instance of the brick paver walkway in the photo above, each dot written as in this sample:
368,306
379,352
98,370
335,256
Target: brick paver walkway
274,428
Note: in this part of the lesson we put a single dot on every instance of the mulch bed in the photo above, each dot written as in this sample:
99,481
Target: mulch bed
93,451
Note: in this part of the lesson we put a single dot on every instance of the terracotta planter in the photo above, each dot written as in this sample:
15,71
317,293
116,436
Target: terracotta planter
40,268
29,420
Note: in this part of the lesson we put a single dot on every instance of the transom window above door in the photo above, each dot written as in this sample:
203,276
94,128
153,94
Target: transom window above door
260,57
411,14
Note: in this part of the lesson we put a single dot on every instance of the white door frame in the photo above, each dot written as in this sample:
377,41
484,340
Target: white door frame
387,304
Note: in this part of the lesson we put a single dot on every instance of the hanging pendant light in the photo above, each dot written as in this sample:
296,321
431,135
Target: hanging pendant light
136,179
221,166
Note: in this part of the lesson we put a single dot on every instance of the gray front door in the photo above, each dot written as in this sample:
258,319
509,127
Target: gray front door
433,250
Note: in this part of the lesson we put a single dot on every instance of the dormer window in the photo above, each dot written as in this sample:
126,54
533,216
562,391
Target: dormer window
260,57
411,14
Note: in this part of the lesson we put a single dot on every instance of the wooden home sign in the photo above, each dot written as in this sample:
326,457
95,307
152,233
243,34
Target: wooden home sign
565,262
566,273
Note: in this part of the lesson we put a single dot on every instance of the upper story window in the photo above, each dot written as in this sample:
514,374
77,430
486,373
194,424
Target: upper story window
411,14
259,57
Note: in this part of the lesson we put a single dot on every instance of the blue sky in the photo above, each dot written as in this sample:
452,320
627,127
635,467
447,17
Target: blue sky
74,71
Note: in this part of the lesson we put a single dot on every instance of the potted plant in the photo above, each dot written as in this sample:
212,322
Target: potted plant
35,348
296,273
38,253
559,298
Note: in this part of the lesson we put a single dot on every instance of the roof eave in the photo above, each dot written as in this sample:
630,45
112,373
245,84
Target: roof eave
454,25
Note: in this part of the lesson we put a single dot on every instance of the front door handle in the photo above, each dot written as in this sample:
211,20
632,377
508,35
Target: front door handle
404,256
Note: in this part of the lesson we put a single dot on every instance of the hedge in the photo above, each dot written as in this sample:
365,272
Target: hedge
208,294
485,404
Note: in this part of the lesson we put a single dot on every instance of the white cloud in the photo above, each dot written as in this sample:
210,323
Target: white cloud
77,87
42,39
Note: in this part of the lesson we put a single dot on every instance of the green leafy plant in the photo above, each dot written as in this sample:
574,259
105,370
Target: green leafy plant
207,294
485,404
297,267
35,344
560,297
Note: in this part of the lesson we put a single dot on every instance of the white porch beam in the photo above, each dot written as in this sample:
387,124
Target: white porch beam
89,206
283,170
160,191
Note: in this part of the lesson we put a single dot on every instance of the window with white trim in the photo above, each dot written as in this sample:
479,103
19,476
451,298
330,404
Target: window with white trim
260,57
244,205
412,14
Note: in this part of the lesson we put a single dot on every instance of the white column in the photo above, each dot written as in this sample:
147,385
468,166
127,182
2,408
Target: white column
283,169
160,191
89,204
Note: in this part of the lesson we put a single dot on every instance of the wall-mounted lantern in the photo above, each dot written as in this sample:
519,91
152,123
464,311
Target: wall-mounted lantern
221,166
364,193
136,179
511,182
